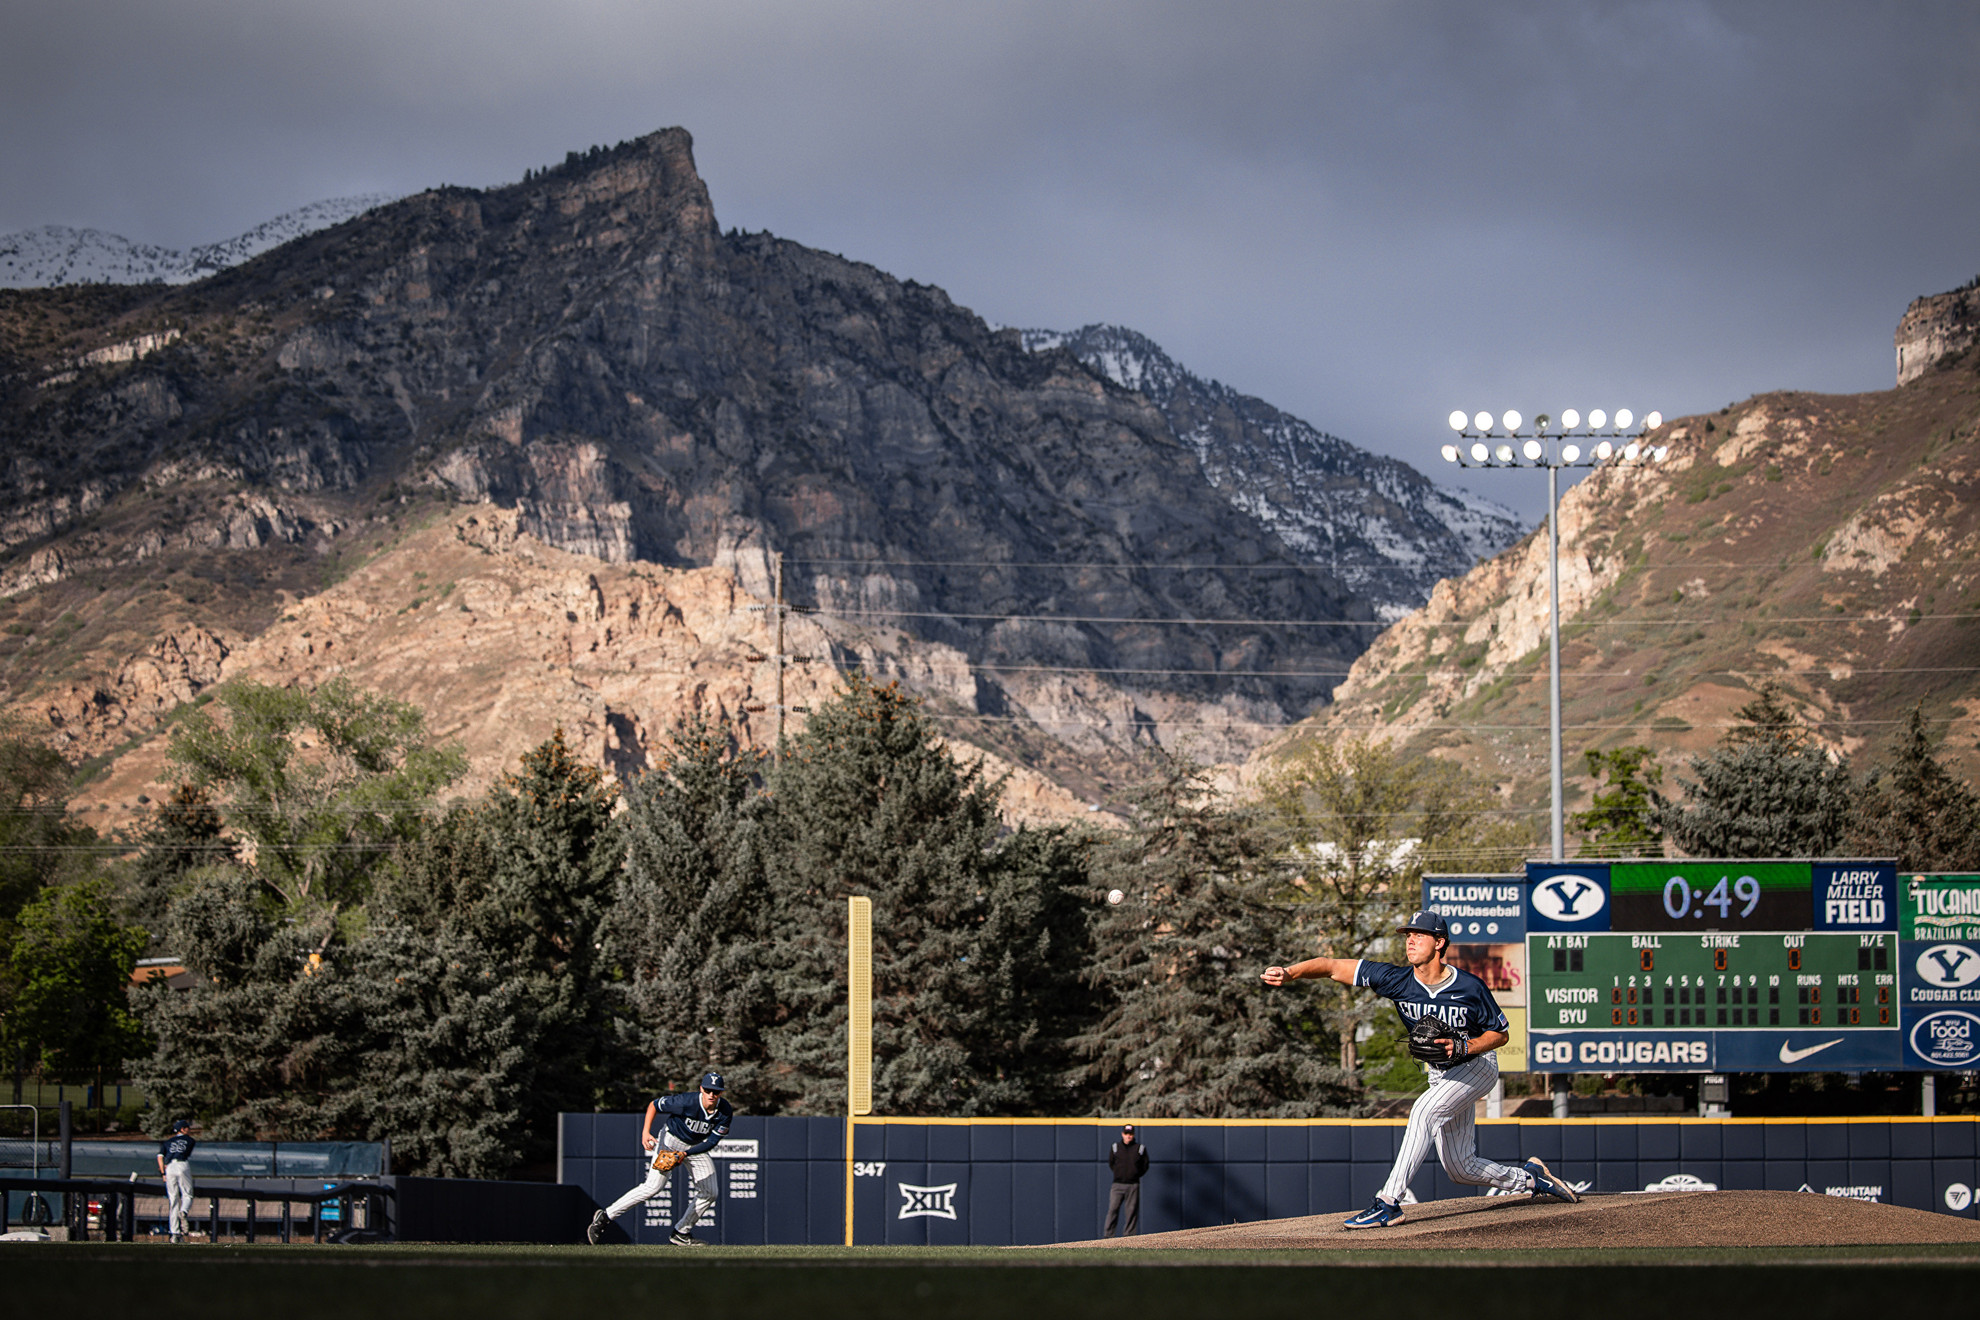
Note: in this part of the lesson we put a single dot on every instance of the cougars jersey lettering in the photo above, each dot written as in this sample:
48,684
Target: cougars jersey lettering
682,1115
1460,999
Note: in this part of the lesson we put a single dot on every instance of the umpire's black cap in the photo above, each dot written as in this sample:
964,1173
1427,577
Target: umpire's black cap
1430,923
712,1081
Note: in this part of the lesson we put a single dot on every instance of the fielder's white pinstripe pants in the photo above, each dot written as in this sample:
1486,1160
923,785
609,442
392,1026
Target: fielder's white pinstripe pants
700,1167
1444,1114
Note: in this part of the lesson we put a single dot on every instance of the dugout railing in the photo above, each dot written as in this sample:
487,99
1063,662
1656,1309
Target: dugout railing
119,1211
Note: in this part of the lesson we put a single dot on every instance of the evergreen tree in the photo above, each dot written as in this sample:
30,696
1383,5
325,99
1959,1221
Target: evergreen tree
868,801
1621,820
185,833
1766,790
457,1022
1912,808
1186,1029
558,858
266,1042
692,921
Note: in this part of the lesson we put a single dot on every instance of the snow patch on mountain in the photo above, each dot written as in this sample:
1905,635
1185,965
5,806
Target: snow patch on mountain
1385,529
56,254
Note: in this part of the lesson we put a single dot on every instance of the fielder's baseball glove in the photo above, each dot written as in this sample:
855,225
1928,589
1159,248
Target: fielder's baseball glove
1427,1041
664,1159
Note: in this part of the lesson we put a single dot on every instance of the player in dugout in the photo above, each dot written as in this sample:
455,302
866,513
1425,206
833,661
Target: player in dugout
1455,1024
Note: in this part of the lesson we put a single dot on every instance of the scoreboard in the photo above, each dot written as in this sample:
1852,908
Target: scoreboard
1740,982
1722,966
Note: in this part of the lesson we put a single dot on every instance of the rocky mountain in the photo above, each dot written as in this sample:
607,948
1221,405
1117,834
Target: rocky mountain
1021,538
1827,543
1382,527
499,638
56,254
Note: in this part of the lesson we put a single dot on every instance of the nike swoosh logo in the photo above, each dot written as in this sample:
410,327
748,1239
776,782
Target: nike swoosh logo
1796,1056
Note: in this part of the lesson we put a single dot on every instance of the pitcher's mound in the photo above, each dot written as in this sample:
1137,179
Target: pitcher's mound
1651,1219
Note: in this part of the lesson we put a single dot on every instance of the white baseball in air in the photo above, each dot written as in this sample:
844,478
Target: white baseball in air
1115,896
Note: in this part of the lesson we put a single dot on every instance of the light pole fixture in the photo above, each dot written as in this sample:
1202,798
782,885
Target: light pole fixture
1553,444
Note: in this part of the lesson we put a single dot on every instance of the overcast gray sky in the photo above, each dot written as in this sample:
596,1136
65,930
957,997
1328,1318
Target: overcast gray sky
1365,213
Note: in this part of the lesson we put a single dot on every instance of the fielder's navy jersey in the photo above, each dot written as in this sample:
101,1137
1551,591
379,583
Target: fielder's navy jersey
1460,999
178,1146
682,1115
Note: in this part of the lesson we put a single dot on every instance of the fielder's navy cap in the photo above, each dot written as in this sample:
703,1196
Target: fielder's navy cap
712,1081
181,1124
1430,923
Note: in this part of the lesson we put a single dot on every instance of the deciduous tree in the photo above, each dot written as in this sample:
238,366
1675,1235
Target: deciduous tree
1621,820
322,782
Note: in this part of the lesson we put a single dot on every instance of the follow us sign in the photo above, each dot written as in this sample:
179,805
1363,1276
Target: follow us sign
1567,897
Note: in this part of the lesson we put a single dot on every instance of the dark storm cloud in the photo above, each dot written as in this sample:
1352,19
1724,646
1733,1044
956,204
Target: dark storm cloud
1366,213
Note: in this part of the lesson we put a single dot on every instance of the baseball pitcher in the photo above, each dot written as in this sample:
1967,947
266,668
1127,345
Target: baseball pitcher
1455,1024
682,1127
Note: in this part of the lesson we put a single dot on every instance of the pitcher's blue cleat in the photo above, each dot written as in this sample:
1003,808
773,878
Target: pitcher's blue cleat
1379,1214
1546,1184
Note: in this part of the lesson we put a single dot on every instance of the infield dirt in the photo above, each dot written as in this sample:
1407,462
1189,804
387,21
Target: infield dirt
1650,1219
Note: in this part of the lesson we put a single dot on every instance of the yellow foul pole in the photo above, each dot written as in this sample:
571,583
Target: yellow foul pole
859,1030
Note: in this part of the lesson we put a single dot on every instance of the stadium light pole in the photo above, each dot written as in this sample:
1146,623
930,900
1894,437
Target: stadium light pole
1485,442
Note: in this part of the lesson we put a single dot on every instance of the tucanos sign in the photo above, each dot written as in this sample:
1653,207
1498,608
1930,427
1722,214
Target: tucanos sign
1939,907
1567,897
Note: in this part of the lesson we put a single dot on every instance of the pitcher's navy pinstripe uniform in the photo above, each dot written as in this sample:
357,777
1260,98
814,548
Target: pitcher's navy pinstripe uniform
1444,1113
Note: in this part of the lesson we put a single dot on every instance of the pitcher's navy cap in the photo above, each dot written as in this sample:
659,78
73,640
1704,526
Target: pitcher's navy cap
712,1081
1430,923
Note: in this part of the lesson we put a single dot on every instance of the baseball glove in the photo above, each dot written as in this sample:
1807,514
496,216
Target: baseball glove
664,1159
1428,1037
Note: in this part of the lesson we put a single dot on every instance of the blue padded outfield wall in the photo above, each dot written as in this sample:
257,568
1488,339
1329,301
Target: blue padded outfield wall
997,1182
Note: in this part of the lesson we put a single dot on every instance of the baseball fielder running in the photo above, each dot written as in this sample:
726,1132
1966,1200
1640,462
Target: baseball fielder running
1455,1025
175,1162
689,1127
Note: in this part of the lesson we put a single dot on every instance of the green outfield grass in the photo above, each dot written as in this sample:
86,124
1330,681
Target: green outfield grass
878,1283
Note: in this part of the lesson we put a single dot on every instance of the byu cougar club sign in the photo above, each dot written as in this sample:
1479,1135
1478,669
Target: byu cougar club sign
1567,897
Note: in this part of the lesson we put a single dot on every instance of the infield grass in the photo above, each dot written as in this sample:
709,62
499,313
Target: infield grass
880,1283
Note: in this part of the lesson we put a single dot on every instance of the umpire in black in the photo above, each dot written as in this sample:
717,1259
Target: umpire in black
1128,1160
